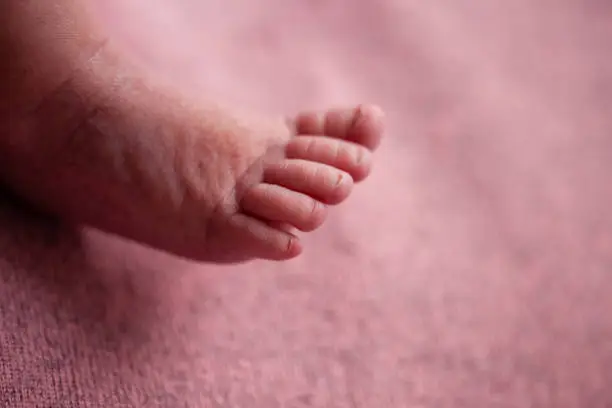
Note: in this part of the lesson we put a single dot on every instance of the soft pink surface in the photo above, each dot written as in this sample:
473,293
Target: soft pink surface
474,269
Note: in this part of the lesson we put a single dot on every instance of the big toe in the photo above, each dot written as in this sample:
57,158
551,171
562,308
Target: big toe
362,124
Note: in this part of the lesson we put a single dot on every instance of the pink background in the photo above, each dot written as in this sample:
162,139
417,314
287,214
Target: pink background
474,268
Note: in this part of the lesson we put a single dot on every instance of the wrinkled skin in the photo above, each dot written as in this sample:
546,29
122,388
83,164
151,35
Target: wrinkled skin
98,134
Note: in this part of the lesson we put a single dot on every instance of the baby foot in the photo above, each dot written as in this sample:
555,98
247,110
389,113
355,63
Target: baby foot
330,151
198,185
108,147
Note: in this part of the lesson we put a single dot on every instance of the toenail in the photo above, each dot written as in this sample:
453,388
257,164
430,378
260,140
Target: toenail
339,180
376,111
315,207
361,156
365,112
317,215
292,248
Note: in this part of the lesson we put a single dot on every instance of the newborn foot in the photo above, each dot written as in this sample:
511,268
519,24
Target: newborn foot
329,152
107,146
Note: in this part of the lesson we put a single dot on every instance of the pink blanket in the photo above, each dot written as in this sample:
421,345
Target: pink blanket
474,269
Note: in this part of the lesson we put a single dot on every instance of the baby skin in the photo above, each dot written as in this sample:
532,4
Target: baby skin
93,138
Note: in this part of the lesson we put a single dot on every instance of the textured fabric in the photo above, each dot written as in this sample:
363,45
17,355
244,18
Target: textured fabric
474,269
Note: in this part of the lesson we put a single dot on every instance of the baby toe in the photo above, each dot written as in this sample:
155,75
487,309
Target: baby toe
266,240
325,183
362,125
278,204
352,158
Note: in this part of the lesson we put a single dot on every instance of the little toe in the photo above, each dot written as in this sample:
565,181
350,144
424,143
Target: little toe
352,158
277,204
362,125
323,182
